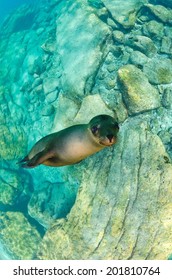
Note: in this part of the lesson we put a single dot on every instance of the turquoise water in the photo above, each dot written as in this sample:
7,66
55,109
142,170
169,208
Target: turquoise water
59,63
9,6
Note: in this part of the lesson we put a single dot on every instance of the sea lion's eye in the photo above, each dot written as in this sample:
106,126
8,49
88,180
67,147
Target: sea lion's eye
94,129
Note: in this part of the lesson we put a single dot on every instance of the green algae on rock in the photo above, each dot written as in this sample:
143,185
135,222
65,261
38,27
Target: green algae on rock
10,144
159,70
19,238
138,94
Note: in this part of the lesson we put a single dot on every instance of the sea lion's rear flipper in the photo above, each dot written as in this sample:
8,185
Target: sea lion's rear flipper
35,161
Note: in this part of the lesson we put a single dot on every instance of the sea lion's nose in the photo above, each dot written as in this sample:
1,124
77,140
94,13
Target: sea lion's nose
110,137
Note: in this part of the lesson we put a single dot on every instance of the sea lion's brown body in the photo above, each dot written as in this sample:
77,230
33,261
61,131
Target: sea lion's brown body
73,144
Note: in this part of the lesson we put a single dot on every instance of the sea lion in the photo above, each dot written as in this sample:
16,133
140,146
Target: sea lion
73,144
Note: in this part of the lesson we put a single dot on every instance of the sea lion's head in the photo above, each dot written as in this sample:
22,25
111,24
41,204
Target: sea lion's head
104,129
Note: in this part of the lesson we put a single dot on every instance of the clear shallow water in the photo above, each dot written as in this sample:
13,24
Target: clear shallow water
7,6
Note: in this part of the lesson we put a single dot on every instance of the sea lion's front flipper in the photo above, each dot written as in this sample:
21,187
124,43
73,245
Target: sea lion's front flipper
36,160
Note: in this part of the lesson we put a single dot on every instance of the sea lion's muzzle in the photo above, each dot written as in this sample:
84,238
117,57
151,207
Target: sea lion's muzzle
107,140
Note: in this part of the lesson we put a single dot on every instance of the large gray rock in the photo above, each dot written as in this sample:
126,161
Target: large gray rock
159,70
138,94
80,39
123,209
126,14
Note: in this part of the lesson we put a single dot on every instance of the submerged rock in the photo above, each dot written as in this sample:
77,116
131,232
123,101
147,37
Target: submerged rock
161,12
159,70
138,94
154,28
52,202
80,45
19,238
142,43
166,46
137,58
123,209
126,14
10,144
167,98
91,106
14,187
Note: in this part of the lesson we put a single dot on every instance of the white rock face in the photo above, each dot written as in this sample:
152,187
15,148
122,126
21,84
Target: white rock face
80,38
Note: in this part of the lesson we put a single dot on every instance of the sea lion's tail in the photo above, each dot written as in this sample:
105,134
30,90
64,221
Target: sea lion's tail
25,162
33,162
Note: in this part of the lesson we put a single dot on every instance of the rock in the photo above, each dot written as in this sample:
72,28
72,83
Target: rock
167,98
142,44
166,46
124,14
65,112
168,31
10,144
137,58
102,14
154,29
118,36
124,204
91,106
138,94
160,12
159,70
50,84
49,110
20,239
14,187
40,30
80,46
52,96
52,202
49,46
112,24
37,82
165,137
33,63
96,3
